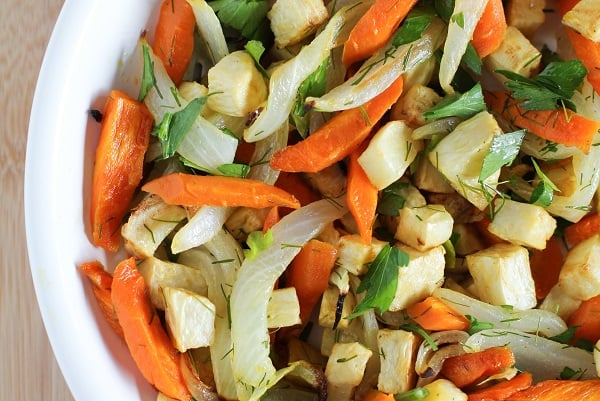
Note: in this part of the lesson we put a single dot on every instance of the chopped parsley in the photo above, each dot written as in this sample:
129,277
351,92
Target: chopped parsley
249,17
459,105
543,193
502,152
257,242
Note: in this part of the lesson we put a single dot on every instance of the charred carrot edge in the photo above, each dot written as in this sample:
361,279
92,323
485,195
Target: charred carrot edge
174,37
434,314
200,190
489,31
560,390
338,137
119,165
502,390
469,368
149,345
361,197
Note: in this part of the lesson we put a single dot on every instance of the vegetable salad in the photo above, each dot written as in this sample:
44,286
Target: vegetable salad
356,200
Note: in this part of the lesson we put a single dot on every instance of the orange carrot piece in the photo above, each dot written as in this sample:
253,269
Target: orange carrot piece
582,230
489,31
309,273
101,286
338,137
376,395
119,165
560,390
545,266
434,314
149,345
587,319
297,186
565,5
271,218
200,190
482,227
503,390
561,126
174,37
467,369
374,29
361,197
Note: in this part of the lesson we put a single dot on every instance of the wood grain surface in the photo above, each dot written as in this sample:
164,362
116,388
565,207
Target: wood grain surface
28,370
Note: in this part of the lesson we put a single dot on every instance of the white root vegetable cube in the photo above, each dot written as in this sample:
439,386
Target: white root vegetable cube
329,304
584,18
526,15
428,178
516,54
159,274
292,20
423,274
502,276
523,224
424,227
413,103
444,390
389,153
560,303
190,318
345,369
354,255
283,309
398,350
459,157
235,85
580,274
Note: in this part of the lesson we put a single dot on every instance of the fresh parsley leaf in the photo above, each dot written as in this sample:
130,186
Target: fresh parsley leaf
415,328
550,89
256,49
472,60
566,336
174,126
412,28
459,105
246,16
392,199
148,77
257,242
569,373
234,170
543,193
450,254
314,85
458,19
477,326
416,394
502,152
381,281
444,9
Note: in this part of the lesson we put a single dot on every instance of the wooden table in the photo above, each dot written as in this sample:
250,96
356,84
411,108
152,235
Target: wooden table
28,370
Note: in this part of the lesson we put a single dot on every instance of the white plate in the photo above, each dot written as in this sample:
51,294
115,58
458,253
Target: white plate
91,40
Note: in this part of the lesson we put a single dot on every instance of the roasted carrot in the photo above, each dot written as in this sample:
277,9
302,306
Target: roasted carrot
376,395
149,345
434,314
309,273
361,197
489,31
587,320
101,286
297,186
502,390
271,218
119,164
582,230
469,368
565,5
174,37
561,126
560,390
201,190
374,29
338,137
545,266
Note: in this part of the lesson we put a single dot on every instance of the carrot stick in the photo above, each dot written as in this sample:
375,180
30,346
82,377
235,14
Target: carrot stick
467,369
338,137
200,190
271,218
582,230
361,197
309,273
101,286
376,395
561,126
374,29
434,314
560,390
565,5
297,186
489,31
501,391
587,319
174,37
545,266
149,345
119,164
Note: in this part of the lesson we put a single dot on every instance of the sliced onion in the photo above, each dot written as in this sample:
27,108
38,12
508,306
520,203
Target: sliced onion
199,390
380,71
439,126
200,228
532,320
544,359
260,168
287,78
252,367
462,24
441,339
210,30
